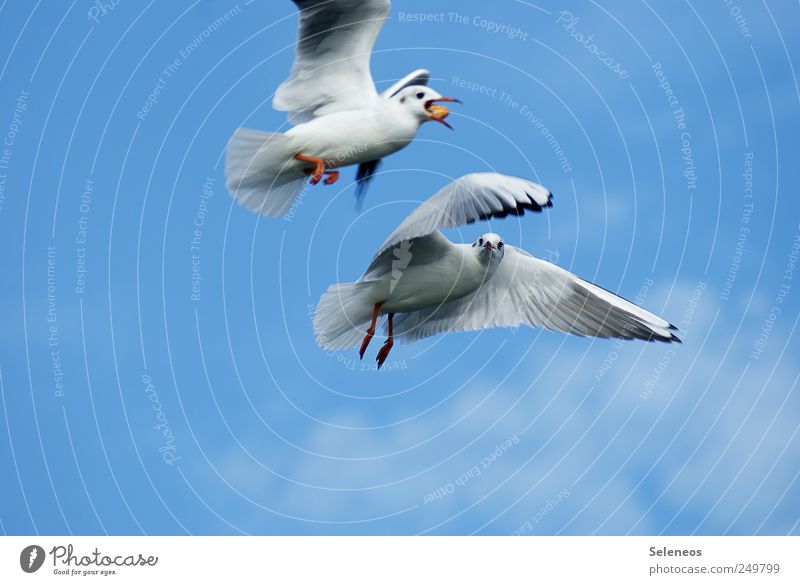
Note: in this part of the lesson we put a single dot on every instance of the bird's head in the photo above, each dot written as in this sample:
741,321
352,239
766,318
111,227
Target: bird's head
489,247
421,101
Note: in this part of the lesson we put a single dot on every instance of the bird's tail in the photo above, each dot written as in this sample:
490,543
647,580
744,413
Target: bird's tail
343,314
258,173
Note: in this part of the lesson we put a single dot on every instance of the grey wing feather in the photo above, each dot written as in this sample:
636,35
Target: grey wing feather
331,63
422,250
528,291
473,197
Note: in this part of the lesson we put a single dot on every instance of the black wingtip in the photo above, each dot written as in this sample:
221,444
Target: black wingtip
517,210
366,171
359,202
664,339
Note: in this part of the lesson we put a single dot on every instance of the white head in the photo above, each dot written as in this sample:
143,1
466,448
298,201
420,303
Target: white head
420,100
490,248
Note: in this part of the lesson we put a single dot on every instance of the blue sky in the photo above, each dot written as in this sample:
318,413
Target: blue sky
159,371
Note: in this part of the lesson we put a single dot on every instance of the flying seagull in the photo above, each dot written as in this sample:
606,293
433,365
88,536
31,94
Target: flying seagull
428,285
340,118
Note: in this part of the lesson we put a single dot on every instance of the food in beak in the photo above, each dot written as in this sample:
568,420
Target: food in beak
438,112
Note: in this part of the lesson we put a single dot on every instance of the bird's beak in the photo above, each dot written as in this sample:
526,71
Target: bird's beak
437,112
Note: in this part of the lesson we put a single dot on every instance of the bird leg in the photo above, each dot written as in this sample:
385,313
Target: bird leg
370,331
319,170
319,167
387,346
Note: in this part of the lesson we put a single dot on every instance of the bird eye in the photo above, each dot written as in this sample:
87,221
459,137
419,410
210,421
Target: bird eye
420,95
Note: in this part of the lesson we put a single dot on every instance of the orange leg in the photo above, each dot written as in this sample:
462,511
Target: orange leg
387,346
370,331
332,177
319,167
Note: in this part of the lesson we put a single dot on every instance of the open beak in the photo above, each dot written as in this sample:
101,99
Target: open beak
437,112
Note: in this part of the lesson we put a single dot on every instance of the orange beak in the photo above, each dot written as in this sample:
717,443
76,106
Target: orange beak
437,112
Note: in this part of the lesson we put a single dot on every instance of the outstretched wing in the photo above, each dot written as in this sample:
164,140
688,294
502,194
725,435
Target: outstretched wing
331,67
525,290
468,199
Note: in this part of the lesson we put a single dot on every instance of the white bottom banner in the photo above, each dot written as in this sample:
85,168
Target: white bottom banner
355,560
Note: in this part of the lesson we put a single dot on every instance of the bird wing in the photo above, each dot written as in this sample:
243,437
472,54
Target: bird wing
468,199
418,77
525,290
366,172
331,66
413,252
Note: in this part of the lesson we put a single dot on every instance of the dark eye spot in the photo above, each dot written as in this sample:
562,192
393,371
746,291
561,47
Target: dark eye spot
420,95
500,246
480,241
403,100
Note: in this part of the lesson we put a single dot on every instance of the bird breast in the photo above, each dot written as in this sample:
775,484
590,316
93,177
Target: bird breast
353,137
448,278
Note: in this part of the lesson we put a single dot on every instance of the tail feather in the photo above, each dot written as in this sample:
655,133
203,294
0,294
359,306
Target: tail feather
256,173
343,314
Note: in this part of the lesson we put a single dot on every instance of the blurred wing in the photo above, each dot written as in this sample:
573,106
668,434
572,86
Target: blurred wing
468,199
528,291
366,171
331,67
418,77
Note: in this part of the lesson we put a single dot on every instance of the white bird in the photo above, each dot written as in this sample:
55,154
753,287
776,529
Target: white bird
428,285
341,119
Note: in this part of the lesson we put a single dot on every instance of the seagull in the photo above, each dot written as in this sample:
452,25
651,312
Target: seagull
428,285
340,119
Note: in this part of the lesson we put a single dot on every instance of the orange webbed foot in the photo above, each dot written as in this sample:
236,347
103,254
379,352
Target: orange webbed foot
319,167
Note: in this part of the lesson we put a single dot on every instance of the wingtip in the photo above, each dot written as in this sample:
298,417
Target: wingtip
548,203
672,338
534,205
364,174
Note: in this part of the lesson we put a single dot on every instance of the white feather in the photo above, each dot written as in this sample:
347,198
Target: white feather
331,66
258,174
